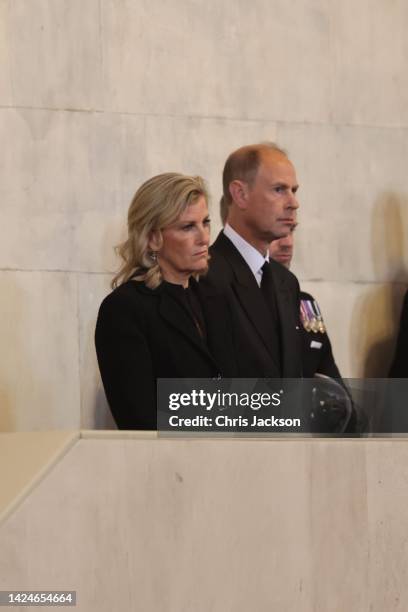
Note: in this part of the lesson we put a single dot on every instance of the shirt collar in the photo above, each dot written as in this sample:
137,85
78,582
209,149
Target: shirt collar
253,258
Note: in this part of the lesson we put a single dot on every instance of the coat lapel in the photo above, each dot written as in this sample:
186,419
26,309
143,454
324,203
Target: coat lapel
219,332
178,317
247,292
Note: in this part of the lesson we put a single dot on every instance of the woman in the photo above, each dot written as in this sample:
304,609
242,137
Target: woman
159,322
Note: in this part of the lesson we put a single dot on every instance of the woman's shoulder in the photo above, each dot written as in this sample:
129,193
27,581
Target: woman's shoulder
131,295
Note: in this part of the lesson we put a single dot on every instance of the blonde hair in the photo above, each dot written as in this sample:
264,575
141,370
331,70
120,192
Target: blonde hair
157,203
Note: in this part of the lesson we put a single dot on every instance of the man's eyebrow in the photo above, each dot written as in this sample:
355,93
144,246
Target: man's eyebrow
286,185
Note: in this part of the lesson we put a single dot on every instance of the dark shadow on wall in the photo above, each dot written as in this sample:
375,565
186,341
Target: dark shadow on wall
375,321
103,418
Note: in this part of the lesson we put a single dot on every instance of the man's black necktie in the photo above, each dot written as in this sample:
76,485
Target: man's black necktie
267,286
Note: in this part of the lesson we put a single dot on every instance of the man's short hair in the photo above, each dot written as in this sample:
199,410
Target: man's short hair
243,165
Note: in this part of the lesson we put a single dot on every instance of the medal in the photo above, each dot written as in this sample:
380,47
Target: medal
311,316
305,316
319,317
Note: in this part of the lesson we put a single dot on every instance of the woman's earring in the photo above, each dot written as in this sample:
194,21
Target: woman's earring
153,256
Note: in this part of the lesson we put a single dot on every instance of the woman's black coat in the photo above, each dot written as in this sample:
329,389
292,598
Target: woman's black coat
143,334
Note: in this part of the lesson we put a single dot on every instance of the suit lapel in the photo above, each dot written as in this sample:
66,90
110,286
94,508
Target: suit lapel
219,334
247,292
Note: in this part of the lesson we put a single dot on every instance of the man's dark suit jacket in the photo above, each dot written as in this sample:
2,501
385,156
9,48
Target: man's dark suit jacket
399,367
230,275
143,334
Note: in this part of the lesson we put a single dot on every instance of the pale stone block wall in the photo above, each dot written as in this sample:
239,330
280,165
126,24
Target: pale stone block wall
98,95
179,525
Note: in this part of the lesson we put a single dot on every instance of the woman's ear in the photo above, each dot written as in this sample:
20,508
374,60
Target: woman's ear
155,240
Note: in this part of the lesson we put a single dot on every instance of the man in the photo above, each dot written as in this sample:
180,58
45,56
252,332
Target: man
258,205
317,353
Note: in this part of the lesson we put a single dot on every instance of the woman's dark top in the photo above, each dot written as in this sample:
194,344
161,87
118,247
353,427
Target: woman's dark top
188,299
144,334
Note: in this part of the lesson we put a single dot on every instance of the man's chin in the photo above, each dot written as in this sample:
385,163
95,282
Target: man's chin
283,261
277,233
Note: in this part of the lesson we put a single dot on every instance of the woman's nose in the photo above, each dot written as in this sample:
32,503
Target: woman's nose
204,235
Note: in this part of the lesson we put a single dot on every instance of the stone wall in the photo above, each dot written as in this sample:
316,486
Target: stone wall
134,523
98,95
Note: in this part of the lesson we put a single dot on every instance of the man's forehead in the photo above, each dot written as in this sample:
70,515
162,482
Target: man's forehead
275,162
274,156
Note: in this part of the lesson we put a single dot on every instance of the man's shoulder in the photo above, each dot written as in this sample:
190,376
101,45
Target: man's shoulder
307,297
222,255
219,272
222,247
285,275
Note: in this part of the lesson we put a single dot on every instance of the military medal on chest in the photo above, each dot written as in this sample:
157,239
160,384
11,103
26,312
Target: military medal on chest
311,316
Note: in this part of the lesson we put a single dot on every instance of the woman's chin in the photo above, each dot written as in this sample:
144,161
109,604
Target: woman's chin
201,266
200,269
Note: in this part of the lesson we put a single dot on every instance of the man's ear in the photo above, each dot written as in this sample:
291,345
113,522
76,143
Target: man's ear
155,240
239,193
